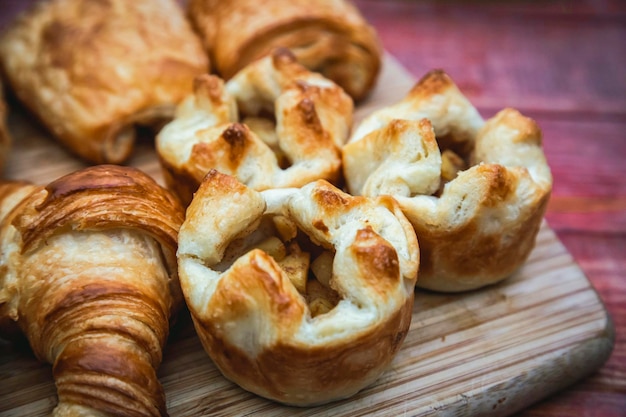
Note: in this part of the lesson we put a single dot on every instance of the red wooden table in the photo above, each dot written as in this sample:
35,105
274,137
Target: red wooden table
564,64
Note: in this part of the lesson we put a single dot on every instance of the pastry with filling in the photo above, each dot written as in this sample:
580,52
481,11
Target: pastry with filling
475,191
273,125
300,295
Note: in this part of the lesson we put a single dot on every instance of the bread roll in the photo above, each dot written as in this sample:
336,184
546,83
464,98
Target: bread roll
475,191
299,348
91,70
327,36
88,272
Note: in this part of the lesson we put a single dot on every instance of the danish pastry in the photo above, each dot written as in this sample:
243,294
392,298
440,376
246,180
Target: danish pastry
88,272
91,70
327,36
309,120
475,191
271,325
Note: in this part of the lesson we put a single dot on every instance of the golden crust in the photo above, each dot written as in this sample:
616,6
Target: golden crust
436,98
88,272
91,69
312,117
476,225
255,325
327,36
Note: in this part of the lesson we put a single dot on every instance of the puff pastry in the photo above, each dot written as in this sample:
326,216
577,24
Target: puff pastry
5,137
327,36
88,272
475,191
91,70
309,120
244,258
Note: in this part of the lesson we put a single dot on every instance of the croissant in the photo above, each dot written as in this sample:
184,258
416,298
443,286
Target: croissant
327,36
5,137
91,70
88,272
475,191
311,121
300,295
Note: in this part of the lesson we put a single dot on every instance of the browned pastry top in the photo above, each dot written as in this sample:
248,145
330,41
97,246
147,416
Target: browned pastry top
88,272
275,124
475,191
328,36
262,317
90,69
103,196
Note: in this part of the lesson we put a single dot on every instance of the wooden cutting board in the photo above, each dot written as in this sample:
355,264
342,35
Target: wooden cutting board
487,352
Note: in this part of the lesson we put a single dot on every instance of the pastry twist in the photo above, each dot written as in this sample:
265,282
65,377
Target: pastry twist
267,324
88,272
327,36
312,118
91,70
475,191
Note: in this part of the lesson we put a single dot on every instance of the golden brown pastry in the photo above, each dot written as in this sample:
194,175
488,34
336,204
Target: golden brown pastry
475,192
92,69
5,137
303,295
309,121
327,36
88,272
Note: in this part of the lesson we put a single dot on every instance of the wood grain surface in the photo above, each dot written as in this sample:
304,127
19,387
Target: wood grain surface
561,62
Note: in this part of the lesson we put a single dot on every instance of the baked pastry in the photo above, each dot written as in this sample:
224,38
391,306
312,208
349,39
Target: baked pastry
5,137
88,272
475,192
327,36
91,70
269,324
294,124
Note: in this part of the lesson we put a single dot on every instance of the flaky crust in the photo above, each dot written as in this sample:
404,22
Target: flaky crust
88,272
92,69
327,36
312,117
475,226
254,323
5,137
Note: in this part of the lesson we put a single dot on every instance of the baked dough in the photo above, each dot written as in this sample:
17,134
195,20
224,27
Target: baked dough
309,121
327,36
475,191
91,70
263,333
88,272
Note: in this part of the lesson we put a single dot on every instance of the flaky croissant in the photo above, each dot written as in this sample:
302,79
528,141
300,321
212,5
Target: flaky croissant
309,121
91,70
88,272
300,295
327,36
475,191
